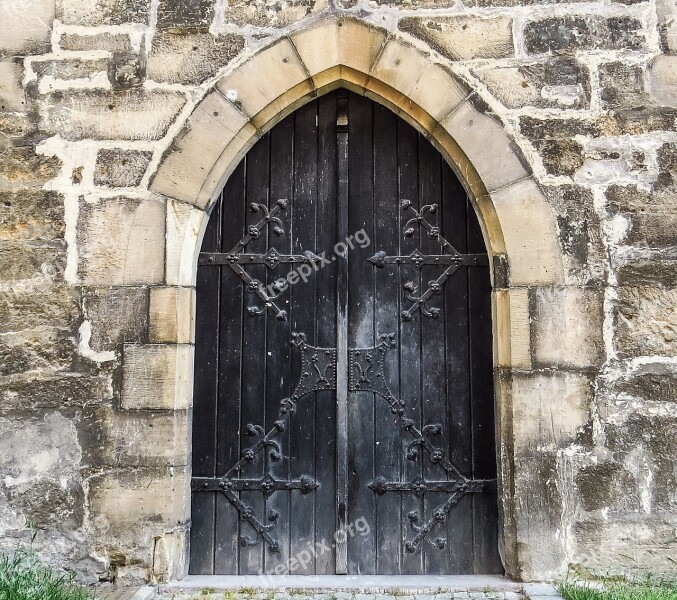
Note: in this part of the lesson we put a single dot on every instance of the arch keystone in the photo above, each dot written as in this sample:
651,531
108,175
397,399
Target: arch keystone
337,43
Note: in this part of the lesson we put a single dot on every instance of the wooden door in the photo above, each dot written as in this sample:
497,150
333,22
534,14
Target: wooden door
343,405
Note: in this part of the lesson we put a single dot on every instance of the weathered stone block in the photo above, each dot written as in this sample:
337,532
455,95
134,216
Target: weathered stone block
513,3
184,227
463,38
570,33
622,85
157,377
171,314
185,14
560,399
30,263
70,68
561,157
137,114
646,322
329,44
409,4
126,70
26,27
116,438
651,230
36,349
647,219
646,268
102,12
109,42
36,303
11,91
41,458
556,83
471,129
651,382
273,13
121,242
117,315
635,438
530,233
128,509
252,92
116,167
630,199
22,168
649,539
33,391
511,314
190,57
215,129
667,25
561,129
13,126
662,81
540,545
567,327
580,234
666,157
31,215
410,72
607,486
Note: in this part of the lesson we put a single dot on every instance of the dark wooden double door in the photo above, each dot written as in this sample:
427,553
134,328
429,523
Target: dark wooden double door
343,405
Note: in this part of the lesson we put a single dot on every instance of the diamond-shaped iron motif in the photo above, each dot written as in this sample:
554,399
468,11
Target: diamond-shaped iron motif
237,259
451,260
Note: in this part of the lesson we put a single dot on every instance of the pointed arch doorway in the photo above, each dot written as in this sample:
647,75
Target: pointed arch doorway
343,402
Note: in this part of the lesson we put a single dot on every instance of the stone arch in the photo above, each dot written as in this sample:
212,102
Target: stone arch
245,103
519,225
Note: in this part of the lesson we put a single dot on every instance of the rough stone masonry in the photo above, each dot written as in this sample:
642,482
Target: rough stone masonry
95,341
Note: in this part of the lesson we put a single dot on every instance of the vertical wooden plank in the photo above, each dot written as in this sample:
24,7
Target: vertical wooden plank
433,400
361,549
458,424
485,518
410,337
302,445
278,365
342,367
227,418
325,284
205,404
387,449
254,358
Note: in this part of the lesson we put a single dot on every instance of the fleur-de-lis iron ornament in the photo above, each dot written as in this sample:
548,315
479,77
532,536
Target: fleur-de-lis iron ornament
236,259
451,260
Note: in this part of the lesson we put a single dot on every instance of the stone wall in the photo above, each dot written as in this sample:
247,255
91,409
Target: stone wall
100,179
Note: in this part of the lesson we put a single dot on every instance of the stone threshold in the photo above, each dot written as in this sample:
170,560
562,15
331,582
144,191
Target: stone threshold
353,587
347,583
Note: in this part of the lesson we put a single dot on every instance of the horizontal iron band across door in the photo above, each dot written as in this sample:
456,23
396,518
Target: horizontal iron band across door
271,258
267,484
420,486
418,259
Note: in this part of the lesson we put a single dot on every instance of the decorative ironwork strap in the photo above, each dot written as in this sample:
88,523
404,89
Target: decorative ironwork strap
236,259
419,486
451,259
267,484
